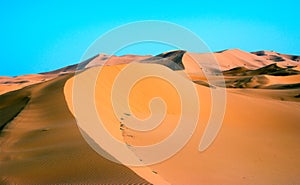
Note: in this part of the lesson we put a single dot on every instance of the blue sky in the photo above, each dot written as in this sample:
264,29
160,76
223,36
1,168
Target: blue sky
42,36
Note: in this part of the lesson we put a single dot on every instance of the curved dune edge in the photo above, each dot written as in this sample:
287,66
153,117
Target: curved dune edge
257,143
42,144
112,124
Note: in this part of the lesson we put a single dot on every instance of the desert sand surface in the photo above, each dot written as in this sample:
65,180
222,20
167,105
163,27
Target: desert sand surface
258,142
8,84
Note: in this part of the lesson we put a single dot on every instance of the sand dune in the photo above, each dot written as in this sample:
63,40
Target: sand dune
249,150
272,69
8,84
277,57
229,59
42,144
224,162
113,60
172,60
258,143
264,81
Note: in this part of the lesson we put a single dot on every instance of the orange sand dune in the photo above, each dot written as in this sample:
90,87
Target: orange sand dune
258,143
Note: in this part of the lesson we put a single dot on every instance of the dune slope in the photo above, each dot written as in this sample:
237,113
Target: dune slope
42,144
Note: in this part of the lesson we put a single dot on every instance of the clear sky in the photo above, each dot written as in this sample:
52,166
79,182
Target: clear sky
39,36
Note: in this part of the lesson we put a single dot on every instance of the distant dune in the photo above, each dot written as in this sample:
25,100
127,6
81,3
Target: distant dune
258,143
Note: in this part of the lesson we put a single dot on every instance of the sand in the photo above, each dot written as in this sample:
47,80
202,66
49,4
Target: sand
258,142
42,144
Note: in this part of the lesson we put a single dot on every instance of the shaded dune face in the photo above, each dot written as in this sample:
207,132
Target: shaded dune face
41,144
258,143
282,82
271,69
277,57
172,60
11,105
264,82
